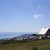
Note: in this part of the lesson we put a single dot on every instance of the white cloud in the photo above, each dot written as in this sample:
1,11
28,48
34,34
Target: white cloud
37,15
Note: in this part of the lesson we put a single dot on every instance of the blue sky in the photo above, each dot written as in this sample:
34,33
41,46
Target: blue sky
24,15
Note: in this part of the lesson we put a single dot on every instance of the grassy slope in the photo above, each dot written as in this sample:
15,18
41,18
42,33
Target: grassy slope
39,44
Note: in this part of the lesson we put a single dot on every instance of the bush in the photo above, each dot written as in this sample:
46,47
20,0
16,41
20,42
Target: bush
34,48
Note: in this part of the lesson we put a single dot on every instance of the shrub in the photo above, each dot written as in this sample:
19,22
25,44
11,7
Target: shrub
34,48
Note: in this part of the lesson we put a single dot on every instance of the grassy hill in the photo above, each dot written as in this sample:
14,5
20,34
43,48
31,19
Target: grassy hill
26,45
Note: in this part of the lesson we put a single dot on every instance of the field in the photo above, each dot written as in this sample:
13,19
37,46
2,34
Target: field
26,45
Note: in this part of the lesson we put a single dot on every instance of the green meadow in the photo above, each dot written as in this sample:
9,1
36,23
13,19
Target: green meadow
26,45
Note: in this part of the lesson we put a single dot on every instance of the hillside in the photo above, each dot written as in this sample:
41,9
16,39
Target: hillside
26,45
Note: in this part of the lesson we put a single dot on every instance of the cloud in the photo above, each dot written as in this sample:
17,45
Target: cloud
37,15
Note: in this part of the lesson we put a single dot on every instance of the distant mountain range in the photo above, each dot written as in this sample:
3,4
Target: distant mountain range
25,35
15,35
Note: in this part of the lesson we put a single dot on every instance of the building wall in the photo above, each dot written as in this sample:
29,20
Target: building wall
48,32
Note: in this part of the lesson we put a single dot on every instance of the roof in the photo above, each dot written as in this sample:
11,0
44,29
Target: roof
43,31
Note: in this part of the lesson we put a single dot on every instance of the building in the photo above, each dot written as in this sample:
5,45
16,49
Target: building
44,33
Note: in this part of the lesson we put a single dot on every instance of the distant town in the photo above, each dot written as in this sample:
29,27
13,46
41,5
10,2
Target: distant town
43,34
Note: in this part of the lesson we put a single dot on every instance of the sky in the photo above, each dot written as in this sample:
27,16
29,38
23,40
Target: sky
24,15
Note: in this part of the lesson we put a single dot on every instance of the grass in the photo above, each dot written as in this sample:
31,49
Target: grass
26,45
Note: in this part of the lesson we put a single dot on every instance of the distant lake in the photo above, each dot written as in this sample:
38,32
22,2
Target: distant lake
11,34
